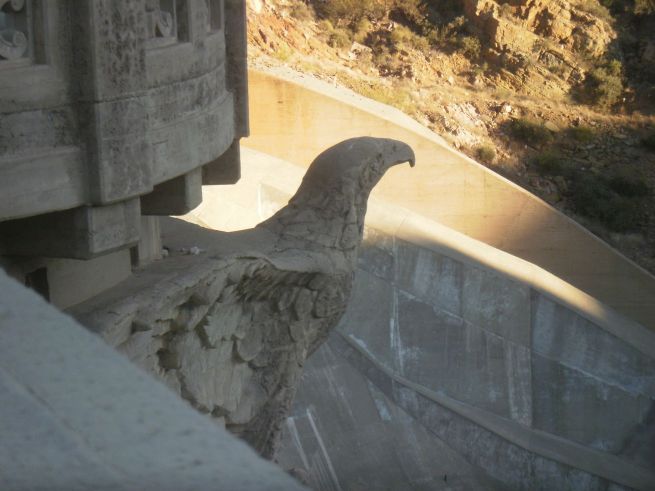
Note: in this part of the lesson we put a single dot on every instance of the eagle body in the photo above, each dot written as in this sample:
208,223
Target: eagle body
230,329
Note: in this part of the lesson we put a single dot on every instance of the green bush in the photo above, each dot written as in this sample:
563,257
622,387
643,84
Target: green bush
549,163
644,7
361,30
448,34
649,141
485,153
625,184
592,196
582,134
283,52
530,131
603,86
595,8
302,11
348,11
470,47
340,38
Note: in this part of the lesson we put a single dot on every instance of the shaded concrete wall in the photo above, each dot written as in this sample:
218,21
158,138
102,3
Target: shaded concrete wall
296,118
533,382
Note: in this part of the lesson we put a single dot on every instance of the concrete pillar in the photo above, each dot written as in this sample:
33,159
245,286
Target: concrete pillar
149,247
174,197
226,169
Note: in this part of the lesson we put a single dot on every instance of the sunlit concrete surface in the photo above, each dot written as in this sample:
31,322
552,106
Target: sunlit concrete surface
76,415
295,117
517,378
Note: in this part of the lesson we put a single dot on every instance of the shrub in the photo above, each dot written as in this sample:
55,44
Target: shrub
485,153
595,8
340,38
361,30
603,85
348,11
447,34
470,47
644,7
283,52
592,196
302,11
582,134
402,35
625,184
549,162
649,141
530,132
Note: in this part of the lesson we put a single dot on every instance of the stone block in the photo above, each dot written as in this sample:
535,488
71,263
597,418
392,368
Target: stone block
150,246
226,169
175,197
562,335
443,353
582,408
80,233
369,316
497,304
376,254
432,277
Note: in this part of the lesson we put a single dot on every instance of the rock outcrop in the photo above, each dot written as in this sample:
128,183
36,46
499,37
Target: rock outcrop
229,328
519,24
541,37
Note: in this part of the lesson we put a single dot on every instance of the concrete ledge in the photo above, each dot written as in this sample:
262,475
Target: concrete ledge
551,447
76,415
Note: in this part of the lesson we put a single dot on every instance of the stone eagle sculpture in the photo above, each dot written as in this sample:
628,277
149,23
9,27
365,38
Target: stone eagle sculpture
230,329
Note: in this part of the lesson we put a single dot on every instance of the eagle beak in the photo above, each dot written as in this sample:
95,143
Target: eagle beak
397,152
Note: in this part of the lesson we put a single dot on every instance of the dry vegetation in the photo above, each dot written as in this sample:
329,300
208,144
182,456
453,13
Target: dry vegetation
572,124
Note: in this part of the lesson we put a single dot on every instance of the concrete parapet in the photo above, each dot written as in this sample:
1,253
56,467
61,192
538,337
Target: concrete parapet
75,415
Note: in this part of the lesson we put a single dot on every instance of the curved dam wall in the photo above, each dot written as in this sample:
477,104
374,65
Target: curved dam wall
459,365
294,118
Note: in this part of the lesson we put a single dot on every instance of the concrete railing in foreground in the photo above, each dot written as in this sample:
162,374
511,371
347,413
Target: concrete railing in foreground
294,118
529,378
76,415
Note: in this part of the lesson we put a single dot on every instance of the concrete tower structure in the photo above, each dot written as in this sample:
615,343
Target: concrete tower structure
111,113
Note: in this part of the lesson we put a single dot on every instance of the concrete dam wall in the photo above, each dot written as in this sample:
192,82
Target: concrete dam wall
295,118
458,365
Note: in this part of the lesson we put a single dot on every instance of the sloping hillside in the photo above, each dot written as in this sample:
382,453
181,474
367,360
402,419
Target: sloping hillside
556,95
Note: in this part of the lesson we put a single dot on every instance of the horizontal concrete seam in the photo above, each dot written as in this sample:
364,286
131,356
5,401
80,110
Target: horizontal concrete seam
589,460
597,378
535,277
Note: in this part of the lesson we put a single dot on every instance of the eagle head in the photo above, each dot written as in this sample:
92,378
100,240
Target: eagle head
356,165
329,207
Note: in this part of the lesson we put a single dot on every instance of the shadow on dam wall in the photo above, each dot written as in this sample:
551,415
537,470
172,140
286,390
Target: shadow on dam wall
295,119
458,366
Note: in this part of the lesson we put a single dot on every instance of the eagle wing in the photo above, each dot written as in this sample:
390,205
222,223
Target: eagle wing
230,334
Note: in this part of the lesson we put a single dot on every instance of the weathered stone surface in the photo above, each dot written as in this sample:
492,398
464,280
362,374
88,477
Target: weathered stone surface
568,338
433,278
231,328
497,304
583,408
342,426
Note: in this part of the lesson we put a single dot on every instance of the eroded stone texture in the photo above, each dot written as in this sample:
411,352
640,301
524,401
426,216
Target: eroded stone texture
230,331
